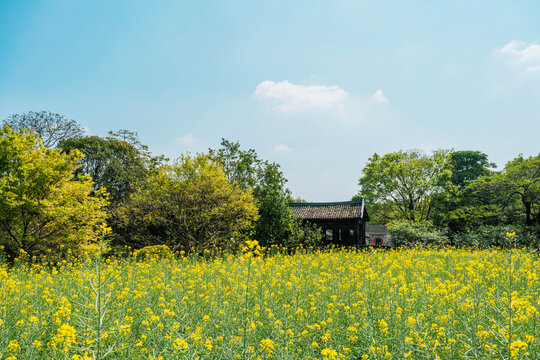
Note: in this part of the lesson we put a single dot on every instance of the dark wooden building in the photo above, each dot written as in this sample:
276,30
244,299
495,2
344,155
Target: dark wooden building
343,223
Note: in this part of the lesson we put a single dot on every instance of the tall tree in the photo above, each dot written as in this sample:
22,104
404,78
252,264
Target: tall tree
400,185
456,207
117,163
51,127
267,183
467,166
41,210
517,189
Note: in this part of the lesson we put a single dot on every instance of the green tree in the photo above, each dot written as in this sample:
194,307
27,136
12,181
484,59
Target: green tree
401,185
458,198
189,205
117,163
516,190
467,166
267,183
41,210
51,127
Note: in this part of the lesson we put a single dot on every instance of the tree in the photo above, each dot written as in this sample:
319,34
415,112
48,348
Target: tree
275,216
517,189
189,205
41,210
467,166
246,169
51,127
117,163
453,207
267,183
401,185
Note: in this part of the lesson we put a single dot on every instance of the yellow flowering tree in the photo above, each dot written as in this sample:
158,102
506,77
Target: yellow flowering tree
41,210
188,205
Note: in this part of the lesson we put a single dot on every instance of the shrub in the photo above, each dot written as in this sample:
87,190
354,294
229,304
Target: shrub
406,233
153,252
487,236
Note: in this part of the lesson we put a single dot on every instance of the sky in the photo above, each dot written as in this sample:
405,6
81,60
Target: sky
316,86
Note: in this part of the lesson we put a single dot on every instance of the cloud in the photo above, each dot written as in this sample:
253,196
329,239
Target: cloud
522,54
533,68
378,96
289,98
188,139
282,148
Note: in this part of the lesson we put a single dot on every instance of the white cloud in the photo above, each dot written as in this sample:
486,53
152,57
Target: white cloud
533,68
523,54
188,139
289,98
378,96
282,148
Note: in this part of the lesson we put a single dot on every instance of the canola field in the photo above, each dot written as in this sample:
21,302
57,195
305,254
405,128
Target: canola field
332,304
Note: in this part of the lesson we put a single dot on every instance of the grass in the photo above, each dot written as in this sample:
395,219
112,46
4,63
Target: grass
414,304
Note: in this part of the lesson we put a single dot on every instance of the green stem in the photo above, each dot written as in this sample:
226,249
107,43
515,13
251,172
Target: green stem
246,306
98,300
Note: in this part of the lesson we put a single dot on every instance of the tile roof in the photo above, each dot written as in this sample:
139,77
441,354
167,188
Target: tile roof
323,211
376,229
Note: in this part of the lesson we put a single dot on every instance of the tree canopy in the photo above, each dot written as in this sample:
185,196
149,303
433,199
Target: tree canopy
467,166
189,205
516,189
117,163
400,185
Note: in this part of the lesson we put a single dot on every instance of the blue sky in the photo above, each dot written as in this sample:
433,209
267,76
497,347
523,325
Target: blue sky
317,86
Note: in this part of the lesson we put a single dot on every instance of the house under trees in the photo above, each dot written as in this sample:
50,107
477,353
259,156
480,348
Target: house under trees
343,223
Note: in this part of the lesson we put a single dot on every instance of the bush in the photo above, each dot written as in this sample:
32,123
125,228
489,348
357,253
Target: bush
487,236
153,252
406,233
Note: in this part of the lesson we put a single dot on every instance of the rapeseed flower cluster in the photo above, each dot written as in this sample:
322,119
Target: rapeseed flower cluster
331,304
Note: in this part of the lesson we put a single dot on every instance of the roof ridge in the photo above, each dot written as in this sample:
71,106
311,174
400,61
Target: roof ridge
351,202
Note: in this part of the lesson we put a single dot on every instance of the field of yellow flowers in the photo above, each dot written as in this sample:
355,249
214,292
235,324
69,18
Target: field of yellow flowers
331,304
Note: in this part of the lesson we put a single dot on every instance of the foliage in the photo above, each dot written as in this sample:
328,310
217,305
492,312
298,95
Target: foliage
117,163
155,251
243,167
41,210
303,233
332,304
422,233
246,169
519,185
189,205
51,127
275,216
511,196
467,166
401,185
452,208
496,235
